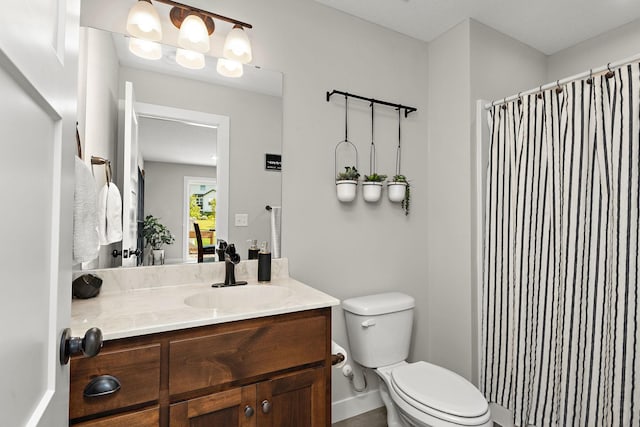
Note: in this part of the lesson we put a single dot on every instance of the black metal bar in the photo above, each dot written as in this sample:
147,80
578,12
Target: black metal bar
206,13
406,109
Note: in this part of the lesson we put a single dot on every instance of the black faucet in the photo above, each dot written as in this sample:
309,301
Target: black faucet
222,247
231,258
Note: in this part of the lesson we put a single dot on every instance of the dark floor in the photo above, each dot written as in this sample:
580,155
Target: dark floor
375,418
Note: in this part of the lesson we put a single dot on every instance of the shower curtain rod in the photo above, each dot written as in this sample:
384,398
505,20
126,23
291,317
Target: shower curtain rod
593,71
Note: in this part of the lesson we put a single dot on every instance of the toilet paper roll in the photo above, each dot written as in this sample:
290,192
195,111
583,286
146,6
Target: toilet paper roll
337,349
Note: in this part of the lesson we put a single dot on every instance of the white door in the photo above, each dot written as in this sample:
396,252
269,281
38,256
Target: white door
38,73
130,179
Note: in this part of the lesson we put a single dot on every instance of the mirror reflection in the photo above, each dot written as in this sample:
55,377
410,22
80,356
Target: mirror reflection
186,146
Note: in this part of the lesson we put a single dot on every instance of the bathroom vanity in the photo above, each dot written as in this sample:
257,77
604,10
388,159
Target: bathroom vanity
192,355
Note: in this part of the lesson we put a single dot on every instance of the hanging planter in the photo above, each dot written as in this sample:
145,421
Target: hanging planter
398,188
372,190
347,184
372,185
347,181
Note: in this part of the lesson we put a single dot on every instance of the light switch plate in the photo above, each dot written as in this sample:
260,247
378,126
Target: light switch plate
242,220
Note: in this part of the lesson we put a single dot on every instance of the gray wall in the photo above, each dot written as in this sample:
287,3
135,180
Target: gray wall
470,61
164,197
449,299
98,113
611,46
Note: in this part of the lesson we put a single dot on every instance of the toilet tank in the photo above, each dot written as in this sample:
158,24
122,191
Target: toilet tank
379,328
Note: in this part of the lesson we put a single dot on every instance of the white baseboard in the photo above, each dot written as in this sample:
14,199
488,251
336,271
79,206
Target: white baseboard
355,405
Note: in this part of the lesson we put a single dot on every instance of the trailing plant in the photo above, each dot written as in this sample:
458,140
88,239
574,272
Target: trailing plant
155,233
374,177
405,204
350,174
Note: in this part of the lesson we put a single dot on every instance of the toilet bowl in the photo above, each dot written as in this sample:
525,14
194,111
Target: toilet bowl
416,394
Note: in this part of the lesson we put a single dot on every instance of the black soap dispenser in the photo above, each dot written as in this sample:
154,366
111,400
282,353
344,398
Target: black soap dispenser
264,263
253,249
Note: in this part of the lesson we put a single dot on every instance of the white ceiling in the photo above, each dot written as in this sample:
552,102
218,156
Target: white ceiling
176,142
547,25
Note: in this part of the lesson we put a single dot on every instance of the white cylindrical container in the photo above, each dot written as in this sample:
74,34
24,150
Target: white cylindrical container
371,191
396,191
346,190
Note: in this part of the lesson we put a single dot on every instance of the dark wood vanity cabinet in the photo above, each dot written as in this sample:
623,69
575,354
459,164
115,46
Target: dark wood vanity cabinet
297,399
266,372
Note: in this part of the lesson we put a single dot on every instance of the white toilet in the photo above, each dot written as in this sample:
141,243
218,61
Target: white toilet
415,394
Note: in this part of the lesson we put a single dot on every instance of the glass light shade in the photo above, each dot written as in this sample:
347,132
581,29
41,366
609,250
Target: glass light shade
229,68
145,48
237,46
143,22
190,59
194,35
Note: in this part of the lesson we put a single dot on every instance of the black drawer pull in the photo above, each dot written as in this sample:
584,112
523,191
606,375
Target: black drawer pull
102,386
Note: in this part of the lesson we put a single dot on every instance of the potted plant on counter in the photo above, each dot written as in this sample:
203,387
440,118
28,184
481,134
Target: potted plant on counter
156,235
400,191
372,187
347,183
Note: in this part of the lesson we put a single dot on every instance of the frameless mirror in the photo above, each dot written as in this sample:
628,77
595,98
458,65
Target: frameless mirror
185,146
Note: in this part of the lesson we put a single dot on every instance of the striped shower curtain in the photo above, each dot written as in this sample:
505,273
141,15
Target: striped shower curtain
561,339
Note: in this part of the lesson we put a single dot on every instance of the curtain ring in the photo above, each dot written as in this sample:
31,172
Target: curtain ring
610,73
590,79
558,87
504,103
519,98
540,92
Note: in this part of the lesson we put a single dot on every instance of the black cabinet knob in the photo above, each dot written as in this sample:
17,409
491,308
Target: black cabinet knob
248,411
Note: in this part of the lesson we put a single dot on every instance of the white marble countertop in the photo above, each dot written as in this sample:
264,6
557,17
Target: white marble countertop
134,311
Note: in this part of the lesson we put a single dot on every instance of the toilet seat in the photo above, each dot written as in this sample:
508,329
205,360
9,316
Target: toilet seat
439,392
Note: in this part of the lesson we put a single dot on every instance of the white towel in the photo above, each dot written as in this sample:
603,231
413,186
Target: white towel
276,220
85,218
109,214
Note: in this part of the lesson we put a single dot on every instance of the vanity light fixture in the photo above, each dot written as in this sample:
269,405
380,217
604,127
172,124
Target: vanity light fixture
143,21
195,29
237,46
229,68
190,59
145,49
196,25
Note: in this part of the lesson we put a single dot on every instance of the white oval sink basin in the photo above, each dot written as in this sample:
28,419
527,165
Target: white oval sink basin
240,298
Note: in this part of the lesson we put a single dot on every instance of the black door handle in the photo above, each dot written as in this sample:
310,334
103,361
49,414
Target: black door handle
89,345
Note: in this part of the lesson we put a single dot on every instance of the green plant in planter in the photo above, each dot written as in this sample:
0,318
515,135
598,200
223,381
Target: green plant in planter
350,174
407,192
374,177
155,233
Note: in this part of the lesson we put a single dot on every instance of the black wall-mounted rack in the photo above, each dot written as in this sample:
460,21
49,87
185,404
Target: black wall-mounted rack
406,109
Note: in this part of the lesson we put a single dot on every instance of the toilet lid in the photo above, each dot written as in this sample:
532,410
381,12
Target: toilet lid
440,389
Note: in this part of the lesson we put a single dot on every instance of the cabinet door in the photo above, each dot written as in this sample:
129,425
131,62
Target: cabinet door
294,400
231,408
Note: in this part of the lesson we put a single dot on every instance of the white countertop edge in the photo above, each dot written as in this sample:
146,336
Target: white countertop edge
134,332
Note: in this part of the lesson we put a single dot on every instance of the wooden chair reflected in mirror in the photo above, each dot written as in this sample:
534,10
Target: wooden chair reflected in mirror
202,249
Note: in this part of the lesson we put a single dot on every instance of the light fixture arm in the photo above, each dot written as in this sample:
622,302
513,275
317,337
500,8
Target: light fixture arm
205,13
